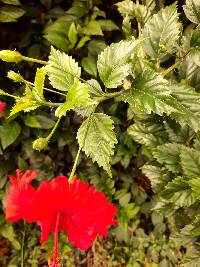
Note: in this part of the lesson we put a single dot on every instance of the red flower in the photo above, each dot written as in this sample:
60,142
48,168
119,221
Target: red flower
77,209
2,106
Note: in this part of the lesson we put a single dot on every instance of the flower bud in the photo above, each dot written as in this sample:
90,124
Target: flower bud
2,106
10,56
40,143
16,77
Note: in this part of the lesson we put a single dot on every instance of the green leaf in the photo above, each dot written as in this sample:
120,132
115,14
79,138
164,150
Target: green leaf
10,13
195,185
190,162
195,38
97,139
38,121
39,84
114,62
151,94
179,193
190,101
23,104
73,34
77,96
168,154
82,41
92,28
89,65
192,10
9,133
107,25
63,71
148,133
158,177
126,8
161,28
11,2
58,40
142,14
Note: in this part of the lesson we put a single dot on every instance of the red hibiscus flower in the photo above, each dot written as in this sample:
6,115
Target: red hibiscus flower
78,209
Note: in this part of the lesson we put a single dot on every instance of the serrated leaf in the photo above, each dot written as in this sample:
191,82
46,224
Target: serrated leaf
97,139
126,8
63,71
39,84
147,133
179,193
9,133
142,14
161,28
94,91
195,185
23,104
77,96
168,154
190,162
192,10
158,177
114,62
10,13
151,93
195,38
190,101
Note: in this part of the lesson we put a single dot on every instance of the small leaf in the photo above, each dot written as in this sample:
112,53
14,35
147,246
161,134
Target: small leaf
192,10
126,8
9,133
63,71
23,104
39,84
82,42
107,25
161,28
97,138
77,96
114,62
92,28
89,65
10,13
73,34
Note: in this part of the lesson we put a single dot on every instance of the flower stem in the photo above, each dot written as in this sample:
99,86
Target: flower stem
53,130
22,246
30,59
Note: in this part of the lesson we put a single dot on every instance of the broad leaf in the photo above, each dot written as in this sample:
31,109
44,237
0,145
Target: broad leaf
158,177
10,13
161,28
151,94
9,133
114,62
190,162
97,138
192,10
179,193
190,101
77,96
147,133
93,28
63,71
168,154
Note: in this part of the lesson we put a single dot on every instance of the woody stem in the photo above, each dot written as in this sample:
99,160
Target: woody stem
55,251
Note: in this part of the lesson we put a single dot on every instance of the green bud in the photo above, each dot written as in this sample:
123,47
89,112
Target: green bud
16,77
40,143
10,56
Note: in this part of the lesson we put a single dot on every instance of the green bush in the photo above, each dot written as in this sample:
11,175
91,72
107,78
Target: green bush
115,89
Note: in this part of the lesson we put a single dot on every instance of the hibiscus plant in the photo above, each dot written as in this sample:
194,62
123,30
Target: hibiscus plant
152,75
